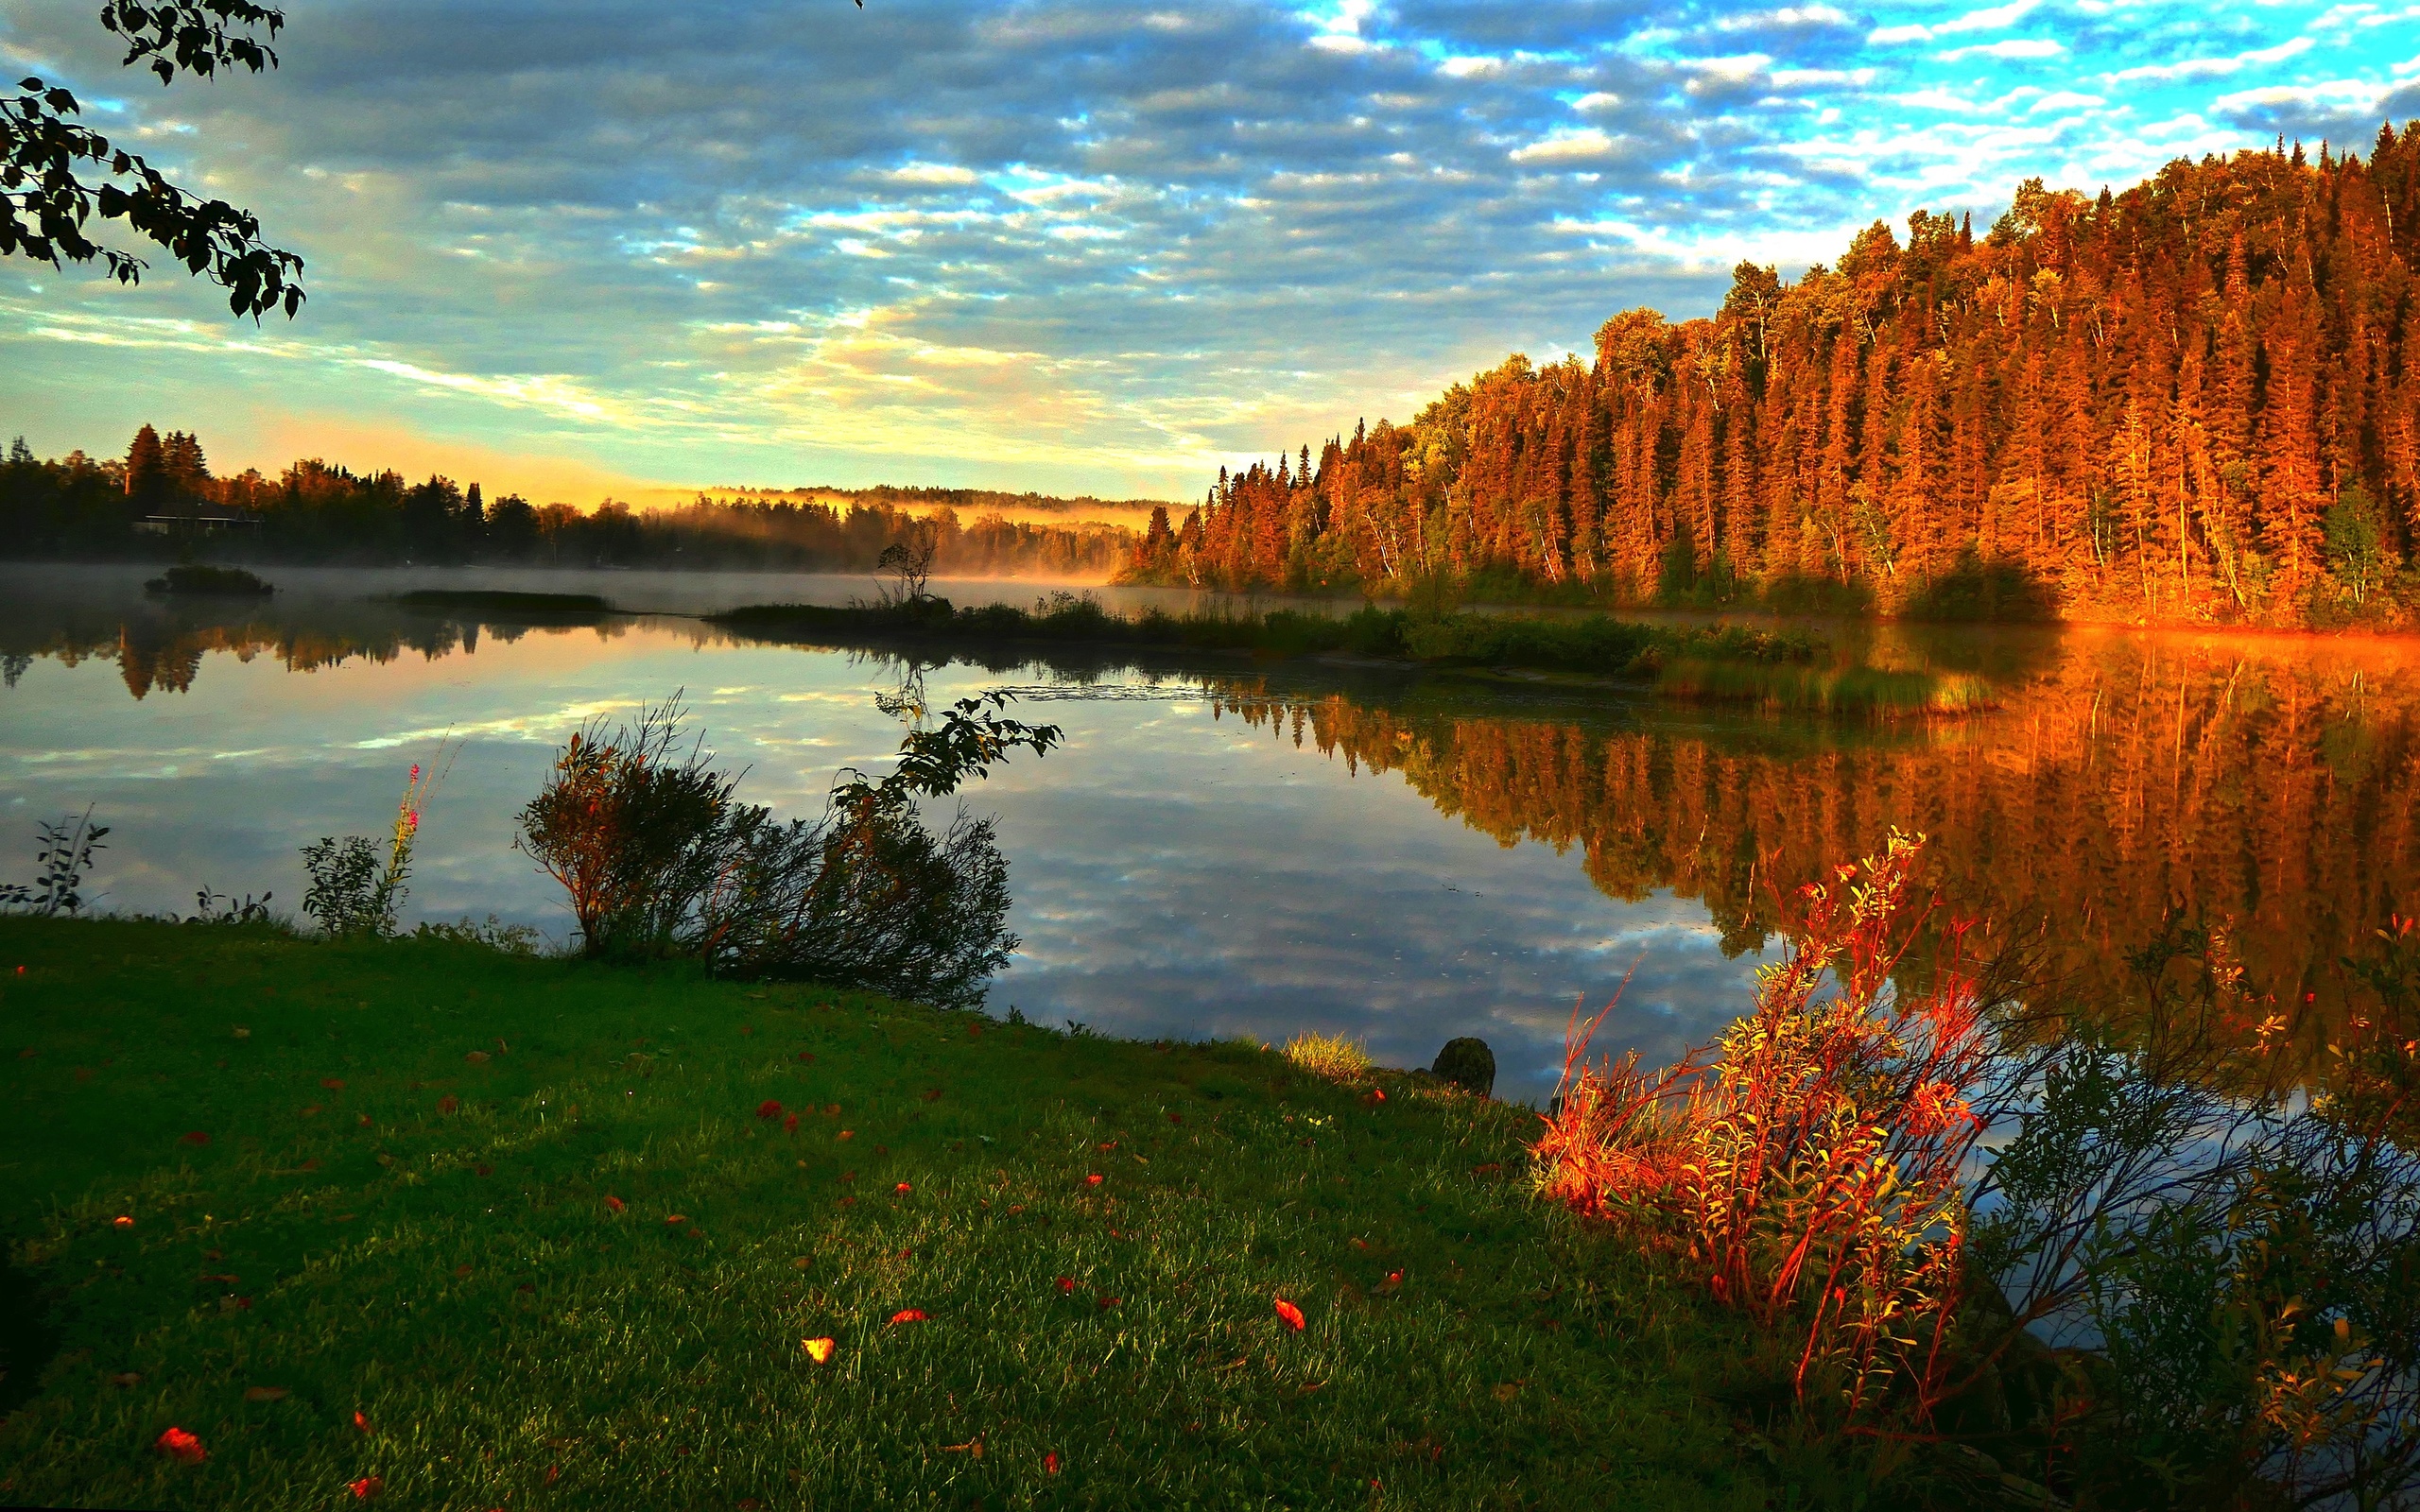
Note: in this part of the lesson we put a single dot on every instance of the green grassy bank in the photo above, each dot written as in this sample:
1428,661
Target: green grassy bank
524,1217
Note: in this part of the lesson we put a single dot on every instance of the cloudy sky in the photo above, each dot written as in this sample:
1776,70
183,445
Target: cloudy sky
1086,244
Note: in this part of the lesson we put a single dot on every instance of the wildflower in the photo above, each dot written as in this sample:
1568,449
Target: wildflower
1292,1315
913,1314
1066,1286
180,1446
1093,1180
613,1204
819,1351
121,1221
769,1109
366,1487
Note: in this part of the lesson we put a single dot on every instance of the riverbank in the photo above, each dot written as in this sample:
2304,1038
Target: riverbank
518,1230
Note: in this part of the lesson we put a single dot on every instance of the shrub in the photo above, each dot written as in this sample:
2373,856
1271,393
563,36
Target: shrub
660,858
1807,1166
192,579
61,860
1328,1055
351,890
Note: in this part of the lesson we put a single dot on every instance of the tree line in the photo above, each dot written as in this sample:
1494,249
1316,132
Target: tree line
2196,399
162,497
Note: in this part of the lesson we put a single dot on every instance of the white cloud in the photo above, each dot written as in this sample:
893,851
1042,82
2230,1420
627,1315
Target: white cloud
1587,145
2014,48
1990,19
2211,67
936,173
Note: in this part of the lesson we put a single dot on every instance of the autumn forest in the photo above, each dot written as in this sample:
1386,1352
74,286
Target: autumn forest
2195,400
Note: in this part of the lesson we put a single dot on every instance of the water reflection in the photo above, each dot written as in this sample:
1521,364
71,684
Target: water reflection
1224,849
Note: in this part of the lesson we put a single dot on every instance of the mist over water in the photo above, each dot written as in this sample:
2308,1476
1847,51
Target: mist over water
1227,848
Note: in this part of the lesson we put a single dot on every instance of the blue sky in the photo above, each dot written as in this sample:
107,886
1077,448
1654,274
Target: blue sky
576,245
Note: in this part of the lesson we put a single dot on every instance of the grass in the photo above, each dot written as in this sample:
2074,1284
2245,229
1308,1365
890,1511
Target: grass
405,1209
502,601
1328,1055
1599,644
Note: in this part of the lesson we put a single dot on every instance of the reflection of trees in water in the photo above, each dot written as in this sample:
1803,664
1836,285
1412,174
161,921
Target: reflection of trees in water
2272,785
161,648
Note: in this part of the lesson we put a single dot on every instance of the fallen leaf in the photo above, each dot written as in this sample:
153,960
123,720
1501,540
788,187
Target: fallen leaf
196,1137
613,1204
1292,1315
263,1393
819,1351
933,1095
1176,1118
361,1422
311,1111
1066,1286
848,1133
463,1271
448,1103
675,1219
1505,1391
1051,1463
903,1188
806,1057
367,1487
484,1169
475,1057
121,1221
1093,1180
126,1379
789,1124
1105,1303
180,1446
334,1084
769,1109
973,1448
913,1314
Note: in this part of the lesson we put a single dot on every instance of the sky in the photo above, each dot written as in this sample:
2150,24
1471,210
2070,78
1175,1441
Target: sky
577,246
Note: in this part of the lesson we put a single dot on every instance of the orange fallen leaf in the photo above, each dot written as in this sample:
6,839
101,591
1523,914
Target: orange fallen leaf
126,1379
1066,1286
263,1393
1093,1180
333,1084
196,1137
613,1204
1051,1463
367,1487
903,1188
361,1422
475,1057
1292,1315
973,1448
911,1315
180,1446
121,1221
674,1220
819,1351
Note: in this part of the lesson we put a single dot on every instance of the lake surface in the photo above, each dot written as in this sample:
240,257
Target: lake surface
1227,848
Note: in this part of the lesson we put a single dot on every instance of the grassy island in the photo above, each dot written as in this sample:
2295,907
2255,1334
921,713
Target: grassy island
508,1230
1727,664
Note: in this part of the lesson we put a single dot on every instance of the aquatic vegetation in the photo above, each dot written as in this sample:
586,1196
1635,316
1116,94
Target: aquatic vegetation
1328,1055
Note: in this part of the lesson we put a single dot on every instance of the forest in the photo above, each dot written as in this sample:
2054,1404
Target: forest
2194,401
161,500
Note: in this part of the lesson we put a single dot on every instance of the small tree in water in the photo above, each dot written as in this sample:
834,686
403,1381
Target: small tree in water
660,858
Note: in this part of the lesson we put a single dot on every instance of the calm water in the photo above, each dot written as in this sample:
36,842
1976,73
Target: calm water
1226,848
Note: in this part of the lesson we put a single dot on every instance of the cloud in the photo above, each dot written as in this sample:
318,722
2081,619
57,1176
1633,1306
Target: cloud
2213,67
1098,245
1990,19
2026,47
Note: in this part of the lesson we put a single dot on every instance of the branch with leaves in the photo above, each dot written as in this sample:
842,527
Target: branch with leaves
56,175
